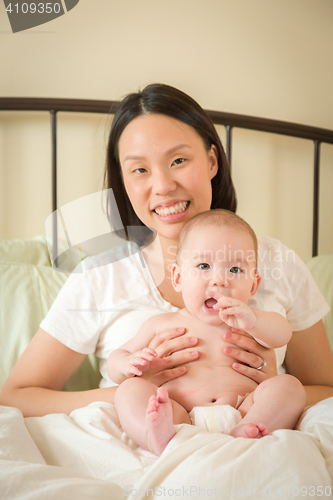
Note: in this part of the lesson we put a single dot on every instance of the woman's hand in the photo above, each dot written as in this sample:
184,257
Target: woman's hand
250,356
171,345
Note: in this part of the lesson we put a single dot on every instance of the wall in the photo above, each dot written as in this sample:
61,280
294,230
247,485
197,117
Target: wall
270,59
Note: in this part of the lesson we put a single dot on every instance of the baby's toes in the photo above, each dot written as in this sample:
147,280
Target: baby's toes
252,430
162,395
263,429
152,404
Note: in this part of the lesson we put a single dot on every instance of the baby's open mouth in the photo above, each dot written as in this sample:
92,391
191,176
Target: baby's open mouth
209,303
172,209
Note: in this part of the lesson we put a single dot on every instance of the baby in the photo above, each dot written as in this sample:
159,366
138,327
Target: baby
216,271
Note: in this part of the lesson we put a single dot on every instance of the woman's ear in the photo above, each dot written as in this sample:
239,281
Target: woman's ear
176,278
256,283
213,158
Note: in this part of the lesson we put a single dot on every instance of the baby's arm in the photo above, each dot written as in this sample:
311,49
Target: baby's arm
269,329
134,357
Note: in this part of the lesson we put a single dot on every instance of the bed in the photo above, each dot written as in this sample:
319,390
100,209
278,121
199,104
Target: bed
86,454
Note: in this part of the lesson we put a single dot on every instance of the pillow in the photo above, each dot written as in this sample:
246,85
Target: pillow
33,251
321,268
28,287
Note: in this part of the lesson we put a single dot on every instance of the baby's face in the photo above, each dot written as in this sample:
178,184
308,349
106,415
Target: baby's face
219,259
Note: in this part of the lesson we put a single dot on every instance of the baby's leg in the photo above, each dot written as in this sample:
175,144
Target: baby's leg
275,404
147,415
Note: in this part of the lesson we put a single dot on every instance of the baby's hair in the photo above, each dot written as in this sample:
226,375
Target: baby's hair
217,217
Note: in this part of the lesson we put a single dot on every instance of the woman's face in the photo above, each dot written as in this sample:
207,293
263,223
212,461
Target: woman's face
167,172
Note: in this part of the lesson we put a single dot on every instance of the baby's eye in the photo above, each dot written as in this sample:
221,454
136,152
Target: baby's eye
235,270
178,161
204,266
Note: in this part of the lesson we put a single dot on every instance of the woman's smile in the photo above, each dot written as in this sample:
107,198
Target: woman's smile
171,210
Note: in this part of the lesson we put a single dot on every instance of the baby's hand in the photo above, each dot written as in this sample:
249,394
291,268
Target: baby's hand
138,362
233,312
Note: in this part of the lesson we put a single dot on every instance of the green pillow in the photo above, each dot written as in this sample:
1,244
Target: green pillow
28,287
32,251
321,268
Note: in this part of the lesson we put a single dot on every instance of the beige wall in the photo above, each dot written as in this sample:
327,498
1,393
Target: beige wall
266,58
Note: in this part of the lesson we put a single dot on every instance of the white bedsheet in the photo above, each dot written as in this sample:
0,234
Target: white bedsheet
87,456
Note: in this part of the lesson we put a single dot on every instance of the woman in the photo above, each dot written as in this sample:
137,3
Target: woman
165,164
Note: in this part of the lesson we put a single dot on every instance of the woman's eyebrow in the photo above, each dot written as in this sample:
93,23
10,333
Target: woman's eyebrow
167,153
176,148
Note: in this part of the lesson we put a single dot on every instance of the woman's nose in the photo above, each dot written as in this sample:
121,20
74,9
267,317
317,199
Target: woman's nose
163,182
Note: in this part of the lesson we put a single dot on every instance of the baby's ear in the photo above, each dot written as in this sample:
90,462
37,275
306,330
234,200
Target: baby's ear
176,278
256,283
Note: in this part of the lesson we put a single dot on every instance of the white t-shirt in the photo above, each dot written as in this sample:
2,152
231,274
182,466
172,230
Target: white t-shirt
109,296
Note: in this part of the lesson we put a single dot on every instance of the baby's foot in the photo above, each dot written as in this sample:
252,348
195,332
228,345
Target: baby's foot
159,421
251,431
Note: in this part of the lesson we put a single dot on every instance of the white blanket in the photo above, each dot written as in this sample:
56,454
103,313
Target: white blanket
87,456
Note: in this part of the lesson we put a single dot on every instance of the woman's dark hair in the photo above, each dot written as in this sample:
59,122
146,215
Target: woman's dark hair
169,101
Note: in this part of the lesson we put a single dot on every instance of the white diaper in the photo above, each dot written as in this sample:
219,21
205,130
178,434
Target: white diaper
217,418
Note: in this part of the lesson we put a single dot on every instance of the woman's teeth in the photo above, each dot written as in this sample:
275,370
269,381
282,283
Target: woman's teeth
173,209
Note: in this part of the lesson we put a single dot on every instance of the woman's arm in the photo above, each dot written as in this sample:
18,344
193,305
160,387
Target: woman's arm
309,358
34,385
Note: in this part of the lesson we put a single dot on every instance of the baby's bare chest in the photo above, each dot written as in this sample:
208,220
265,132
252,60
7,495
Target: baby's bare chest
210,341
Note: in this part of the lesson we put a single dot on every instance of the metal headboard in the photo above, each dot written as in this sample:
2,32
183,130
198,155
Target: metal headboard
228,120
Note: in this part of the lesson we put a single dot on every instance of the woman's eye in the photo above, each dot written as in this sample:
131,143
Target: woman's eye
204,266
178,161
235,270
140,170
